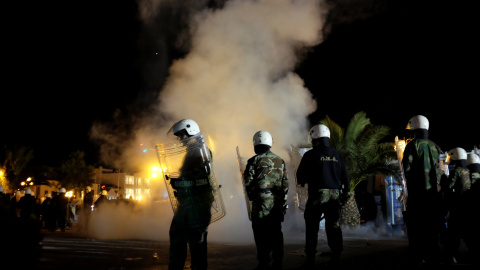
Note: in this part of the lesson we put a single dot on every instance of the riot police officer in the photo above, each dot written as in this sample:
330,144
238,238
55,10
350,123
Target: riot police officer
194,194
324,171
456,196
266,183
424,215
472,239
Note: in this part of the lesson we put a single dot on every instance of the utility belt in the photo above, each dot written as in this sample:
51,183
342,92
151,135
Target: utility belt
180,183
190,188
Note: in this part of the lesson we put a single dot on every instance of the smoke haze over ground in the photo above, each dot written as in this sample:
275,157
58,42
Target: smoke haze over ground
236,79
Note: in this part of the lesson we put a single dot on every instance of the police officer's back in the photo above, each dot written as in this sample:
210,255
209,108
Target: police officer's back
424,213
28,205
266,183
323,169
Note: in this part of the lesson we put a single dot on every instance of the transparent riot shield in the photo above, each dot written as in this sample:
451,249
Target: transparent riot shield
296,154
173,158
242,164
393,190
399,148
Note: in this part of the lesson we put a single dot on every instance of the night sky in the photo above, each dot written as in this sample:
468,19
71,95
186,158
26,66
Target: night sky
69,64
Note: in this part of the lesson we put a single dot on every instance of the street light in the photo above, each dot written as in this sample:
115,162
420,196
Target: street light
154,171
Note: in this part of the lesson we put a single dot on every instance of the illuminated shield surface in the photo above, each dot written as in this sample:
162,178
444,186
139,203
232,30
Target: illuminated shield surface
190,161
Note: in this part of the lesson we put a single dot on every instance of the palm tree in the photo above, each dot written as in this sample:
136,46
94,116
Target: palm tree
364,154
75,173
16,162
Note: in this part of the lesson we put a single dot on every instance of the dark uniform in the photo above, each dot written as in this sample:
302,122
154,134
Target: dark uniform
323,169
193,213
266,183
456,197
472,239
48,214
424,216
88,201
28,207
102,200
60,203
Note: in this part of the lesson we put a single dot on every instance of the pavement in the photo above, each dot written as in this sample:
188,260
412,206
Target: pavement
72,250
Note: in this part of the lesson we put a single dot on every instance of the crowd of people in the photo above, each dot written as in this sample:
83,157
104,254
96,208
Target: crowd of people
53,212
437,215
437,200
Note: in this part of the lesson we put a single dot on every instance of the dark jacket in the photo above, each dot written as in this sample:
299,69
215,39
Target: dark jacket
322,168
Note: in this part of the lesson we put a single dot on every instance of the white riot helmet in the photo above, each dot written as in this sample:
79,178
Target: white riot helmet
317,132
104,192
418,122
473,158
457,154
89,188
28,191
190,126
262,137
1,188
63,190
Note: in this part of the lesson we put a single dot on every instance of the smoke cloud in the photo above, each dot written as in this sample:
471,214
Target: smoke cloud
236,79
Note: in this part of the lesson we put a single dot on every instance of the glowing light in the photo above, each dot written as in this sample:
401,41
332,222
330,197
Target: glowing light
22,183
69,194
29,179
144,150
399,148
211,144
154,175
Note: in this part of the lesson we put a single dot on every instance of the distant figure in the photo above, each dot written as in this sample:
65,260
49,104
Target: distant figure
4,207
88,200
28,205
60,202
14,203
48,213
102,200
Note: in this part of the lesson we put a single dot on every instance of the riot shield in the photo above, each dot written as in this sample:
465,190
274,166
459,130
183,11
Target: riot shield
242,164
393,190
296,154
173,158
399,148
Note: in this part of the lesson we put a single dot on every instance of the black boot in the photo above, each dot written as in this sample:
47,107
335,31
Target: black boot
277,265
309,263
334,262
262,265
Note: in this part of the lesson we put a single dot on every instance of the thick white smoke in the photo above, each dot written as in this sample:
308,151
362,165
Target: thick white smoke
238,79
